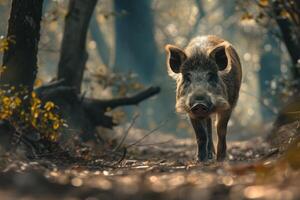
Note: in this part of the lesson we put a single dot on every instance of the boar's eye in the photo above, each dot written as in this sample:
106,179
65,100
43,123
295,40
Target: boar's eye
212,77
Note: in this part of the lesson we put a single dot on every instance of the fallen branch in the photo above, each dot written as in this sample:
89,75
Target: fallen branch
95,104
96,108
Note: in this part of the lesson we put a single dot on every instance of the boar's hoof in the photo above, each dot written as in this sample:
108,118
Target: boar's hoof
210,156
201,158
221,158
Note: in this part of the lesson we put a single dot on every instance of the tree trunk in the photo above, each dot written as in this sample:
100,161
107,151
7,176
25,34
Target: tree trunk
20,59
135,44
290,32
73,50
291,38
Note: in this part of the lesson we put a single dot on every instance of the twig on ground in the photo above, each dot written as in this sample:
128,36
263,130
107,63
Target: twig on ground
122,158
126,132
149,133
270,154
154,144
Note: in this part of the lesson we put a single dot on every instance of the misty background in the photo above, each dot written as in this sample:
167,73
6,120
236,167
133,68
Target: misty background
126,42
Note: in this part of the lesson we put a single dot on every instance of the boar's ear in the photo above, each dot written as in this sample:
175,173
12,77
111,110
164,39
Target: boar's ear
175,58
220,56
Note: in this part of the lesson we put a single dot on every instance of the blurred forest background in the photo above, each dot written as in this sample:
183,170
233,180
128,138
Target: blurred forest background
125,45
95,65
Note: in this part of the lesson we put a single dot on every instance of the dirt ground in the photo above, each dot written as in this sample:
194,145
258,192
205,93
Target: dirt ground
158,168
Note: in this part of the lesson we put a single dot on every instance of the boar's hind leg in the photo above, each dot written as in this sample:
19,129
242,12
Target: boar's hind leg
201,136
210,144
222,122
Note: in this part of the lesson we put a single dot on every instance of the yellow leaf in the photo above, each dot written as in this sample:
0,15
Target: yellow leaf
33,95
53,136
264,3
284,14
38,83
18,101
35,114
49,105
5,101
56,125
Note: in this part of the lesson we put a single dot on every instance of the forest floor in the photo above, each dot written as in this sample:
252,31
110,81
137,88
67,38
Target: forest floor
162,167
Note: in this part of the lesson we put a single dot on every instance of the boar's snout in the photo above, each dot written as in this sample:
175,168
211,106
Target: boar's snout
200,107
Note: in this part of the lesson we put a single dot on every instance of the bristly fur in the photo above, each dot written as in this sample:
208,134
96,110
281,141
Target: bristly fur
208,75
198,60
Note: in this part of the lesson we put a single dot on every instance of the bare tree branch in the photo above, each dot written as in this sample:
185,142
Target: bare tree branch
125,101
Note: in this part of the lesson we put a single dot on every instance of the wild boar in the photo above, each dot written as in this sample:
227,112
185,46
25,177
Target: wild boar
208,74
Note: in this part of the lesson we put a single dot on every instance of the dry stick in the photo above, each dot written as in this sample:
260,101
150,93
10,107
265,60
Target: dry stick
139,140
122,158
155,144
149,133
270,154
126,132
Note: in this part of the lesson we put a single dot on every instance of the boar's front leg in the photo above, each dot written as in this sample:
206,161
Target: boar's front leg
199,126
210,144
222,121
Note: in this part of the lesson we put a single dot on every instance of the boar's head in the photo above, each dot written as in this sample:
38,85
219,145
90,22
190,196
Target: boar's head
200,77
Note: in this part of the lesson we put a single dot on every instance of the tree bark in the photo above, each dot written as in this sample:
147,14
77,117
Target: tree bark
291,38
73,50
20,59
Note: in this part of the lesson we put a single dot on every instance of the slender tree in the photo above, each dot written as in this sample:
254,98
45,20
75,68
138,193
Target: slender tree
290,30
20,60
73,50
